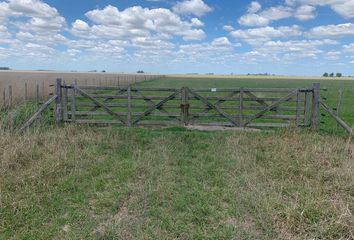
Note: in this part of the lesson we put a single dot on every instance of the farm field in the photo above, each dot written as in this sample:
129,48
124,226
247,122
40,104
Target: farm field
82,182
19,86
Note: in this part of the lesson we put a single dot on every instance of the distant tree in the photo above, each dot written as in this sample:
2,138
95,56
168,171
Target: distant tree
339,75
331,75
140,71
5,68
325,74
103,71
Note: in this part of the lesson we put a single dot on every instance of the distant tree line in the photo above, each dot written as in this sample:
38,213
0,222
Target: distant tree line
332,75
5,68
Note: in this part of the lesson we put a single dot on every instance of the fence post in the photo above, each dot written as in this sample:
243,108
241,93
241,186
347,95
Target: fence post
338,104
58,108
241,107
315,105
73,103
4,97
10,95
298,95
129,116
307,109
26,92
184,106
65,103
37,93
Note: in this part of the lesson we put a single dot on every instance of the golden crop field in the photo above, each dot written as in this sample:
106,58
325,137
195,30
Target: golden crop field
17,86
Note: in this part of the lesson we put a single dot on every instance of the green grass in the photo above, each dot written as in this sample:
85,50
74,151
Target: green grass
77,182
80,182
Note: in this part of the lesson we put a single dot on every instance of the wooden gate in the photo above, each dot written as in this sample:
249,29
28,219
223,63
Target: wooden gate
241,107
128,106
245,107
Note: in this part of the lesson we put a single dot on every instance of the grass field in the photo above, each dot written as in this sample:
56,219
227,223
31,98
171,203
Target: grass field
81,182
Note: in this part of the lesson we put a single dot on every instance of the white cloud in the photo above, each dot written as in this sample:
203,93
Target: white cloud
301,9
221,42
4,35
333,55
215,51
344,8
137,22
33,8
228,28
277,13
305,12
340,30
254,7
349,48
265,17
256,36
287,51
253,20
192,7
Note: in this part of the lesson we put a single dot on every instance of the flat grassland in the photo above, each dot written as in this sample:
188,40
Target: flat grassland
82,182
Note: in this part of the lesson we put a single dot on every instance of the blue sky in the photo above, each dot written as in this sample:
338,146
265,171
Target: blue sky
289,37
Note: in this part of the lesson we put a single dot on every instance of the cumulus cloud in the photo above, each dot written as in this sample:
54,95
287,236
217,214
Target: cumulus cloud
42,17
332,31
349,48
302,10
192,7
265,17
253,19
256,36
254,7
4,35
136,22
305,12
344,8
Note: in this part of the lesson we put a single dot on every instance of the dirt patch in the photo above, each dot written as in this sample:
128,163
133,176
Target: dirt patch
220,128
116,218
248,224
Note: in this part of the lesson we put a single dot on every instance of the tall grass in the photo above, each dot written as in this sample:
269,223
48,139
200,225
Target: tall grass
12,118
75,182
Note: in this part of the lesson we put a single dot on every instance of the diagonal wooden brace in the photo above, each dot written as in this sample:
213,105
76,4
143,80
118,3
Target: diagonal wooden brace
102,105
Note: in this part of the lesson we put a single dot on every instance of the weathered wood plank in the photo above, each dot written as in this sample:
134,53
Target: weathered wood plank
65,104
307,108
152,108
343,124
102,105
73,103
315,105
152,103
273,105
249,99
58,101
216,108
107,100
129,115
339,103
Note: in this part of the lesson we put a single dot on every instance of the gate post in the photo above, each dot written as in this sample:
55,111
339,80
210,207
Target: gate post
184,106
58,92
315,105
129,115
